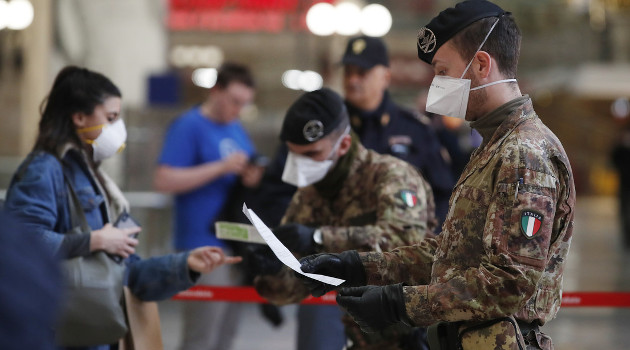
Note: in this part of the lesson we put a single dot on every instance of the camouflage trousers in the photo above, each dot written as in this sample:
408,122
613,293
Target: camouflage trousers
396,337
500,334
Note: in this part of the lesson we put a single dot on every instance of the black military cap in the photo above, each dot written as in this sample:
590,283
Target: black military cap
450,22
313,116
365,52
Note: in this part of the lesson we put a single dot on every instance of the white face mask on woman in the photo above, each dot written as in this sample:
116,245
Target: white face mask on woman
109,142
302,171
449,96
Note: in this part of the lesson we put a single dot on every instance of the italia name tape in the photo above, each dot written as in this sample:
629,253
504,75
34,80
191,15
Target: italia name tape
249,295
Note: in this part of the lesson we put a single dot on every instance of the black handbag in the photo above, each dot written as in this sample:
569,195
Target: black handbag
93,312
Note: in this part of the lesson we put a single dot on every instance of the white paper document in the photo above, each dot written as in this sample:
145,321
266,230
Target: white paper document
281,251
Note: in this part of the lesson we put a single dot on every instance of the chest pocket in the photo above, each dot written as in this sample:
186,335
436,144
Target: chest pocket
89,199
466,218
527,222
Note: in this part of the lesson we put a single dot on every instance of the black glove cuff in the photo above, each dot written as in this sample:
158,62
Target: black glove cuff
395,293
354,269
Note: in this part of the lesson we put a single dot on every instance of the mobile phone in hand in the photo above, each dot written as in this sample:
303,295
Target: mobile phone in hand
259,160
125,220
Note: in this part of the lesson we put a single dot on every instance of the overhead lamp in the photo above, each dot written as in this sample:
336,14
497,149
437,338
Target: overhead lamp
4,14
16,14
318,19
376,20
310,81
302,80
620,108
204,77
346,18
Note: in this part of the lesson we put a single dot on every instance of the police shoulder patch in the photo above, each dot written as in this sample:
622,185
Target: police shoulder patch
409,198
531,222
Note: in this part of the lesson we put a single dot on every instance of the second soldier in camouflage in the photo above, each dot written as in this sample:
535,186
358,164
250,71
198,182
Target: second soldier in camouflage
365,201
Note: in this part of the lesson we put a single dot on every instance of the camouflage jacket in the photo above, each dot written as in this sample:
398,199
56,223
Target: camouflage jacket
384,203
506,237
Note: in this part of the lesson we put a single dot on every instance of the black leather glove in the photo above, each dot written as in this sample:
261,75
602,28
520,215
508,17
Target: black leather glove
345,265
262,261
272,314
375,308
296,237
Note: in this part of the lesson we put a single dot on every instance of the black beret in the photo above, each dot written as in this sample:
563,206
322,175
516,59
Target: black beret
313,116
365,52
450,22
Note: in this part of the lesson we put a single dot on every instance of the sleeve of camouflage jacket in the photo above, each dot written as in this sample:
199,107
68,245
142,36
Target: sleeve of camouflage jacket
397,223
507,267
410,264
281,288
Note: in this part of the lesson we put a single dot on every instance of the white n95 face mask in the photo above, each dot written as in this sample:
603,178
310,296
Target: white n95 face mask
110,141
302,171
449,96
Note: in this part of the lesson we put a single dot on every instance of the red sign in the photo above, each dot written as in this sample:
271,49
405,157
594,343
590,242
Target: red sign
277,5
239,15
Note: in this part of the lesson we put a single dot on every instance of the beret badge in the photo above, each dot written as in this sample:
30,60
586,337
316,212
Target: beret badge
426,40
313,130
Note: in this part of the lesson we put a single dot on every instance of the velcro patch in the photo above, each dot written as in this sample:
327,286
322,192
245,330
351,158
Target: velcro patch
409,197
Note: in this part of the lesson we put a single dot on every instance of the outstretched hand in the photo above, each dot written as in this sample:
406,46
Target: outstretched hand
206,259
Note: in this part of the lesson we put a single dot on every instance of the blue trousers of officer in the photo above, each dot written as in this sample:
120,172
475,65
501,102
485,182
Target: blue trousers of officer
320,328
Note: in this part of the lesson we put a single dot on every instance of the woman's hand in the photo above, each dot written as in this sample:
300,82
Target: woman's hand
114,241
206,259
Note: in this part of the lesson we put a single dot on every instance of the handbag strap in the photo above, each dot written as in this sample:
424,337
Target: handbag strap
77,215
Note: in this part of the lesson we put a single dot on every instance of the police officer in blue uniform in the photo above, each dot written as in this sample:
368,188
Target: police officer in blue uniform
386,127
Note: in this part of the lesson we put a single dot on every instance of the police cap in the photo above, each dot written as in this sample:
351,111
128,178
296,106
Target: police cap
313,116
450,22
365,52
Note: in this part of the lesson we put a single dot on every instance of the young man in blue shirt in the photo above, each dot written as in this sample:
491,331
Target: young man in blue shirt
205,152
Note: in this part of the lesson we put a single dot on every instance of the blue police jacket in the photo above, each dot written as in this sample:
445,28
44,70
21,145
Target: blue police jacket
391,129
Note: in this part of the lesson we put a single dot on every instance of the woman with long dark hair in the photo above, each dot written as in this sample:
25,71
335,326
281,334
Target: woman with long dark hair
61,195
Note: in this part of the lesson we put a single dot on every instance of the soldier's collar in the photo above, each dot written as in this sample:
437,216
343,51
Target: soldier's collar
488,124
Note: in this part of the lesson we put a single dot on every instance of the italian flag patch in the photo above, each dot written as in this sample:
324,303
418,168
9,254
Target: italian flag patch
409,198
530,223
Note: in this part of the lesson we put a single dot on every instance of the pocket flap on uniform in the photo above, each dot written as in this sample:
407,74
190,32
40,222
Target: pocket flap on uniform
89,199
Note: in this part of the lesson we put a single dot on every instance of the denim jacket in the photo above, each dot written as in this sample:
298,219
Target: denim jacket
38,197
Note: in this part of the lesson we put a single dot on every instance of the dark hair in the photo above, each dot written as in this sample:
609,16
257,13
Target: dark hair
234,72
74,90
503,44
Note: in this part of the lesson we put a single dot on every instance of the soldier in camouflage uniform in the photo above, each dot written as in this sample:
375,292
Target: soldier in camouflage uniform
494,274
363,201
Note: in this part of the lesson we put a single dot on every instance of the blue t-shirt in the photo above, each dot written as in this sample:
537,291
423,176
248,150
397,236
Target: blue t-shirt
191,140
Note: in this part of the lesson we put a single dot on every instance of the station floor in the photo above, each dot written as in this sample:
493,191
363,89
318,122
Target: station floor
597,262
